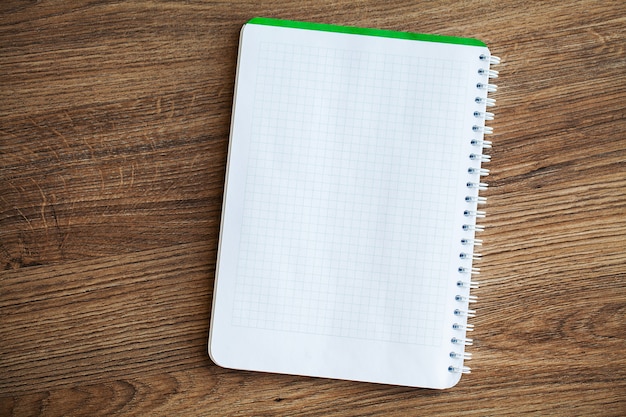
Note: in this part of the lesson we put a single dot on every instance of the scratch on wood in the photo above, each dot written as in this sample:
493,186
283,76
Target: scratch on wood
44,201
167,191
193,162
57,226
55,153
34,122
90,147
151,141
67,115
62,136
6,132
64,183
30,226
156,173
21,189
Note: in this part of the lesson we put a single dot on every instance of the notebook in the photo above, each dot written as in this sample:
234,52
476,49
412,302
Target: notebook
349,215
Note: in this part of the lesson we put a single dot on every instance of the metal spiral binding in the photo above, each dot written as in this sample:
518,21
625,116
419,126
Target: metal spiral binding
482,143
465,282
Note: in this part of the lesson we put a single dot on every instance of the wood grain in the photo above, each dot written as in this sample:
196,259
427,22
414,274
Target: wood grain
114,120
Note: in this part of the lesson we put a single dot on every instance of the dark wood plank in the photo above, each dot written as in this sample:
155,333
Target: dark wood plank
114,120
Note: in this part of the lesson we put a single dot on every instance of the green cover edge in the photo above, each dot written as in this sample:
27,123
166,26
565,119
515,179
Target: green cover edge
365,31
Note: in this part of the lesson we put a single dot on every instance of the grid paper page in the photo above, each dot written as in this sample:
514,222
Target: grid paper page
348,195
343,208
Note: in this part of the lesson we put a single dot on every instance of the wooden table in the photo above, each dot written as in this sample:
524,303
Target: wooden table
114,121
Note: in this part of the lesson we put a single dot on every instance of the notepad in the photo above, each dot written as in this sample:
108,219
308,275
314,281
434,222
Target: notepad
348,225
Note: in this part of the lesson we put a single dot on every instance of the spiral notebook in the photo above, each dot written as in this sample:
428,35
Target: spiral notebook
352,191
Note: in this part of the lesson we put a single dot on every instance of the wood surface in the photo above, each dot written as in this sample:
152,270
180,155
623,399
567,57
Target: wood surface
114,122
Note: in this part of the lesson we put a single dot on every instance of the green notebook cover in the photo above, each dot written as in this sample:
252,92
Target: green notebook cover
365,31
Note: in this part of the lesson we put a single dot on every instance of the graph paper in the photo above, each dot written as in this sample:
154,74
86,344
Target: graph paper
344,198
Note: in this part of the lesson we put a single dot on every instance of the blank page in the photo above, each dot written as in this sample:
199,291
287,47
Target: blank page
344,206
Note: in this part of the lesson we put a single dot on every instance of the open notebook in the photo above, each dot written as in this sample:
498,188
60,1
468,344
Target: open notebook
350,203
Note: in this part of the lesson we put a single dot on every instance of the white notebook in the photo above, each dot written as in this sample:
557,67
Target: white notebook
349,214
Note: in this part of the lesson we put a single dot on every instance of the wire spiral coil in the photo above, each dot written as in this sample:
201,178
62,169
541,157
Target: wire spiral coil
474,186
